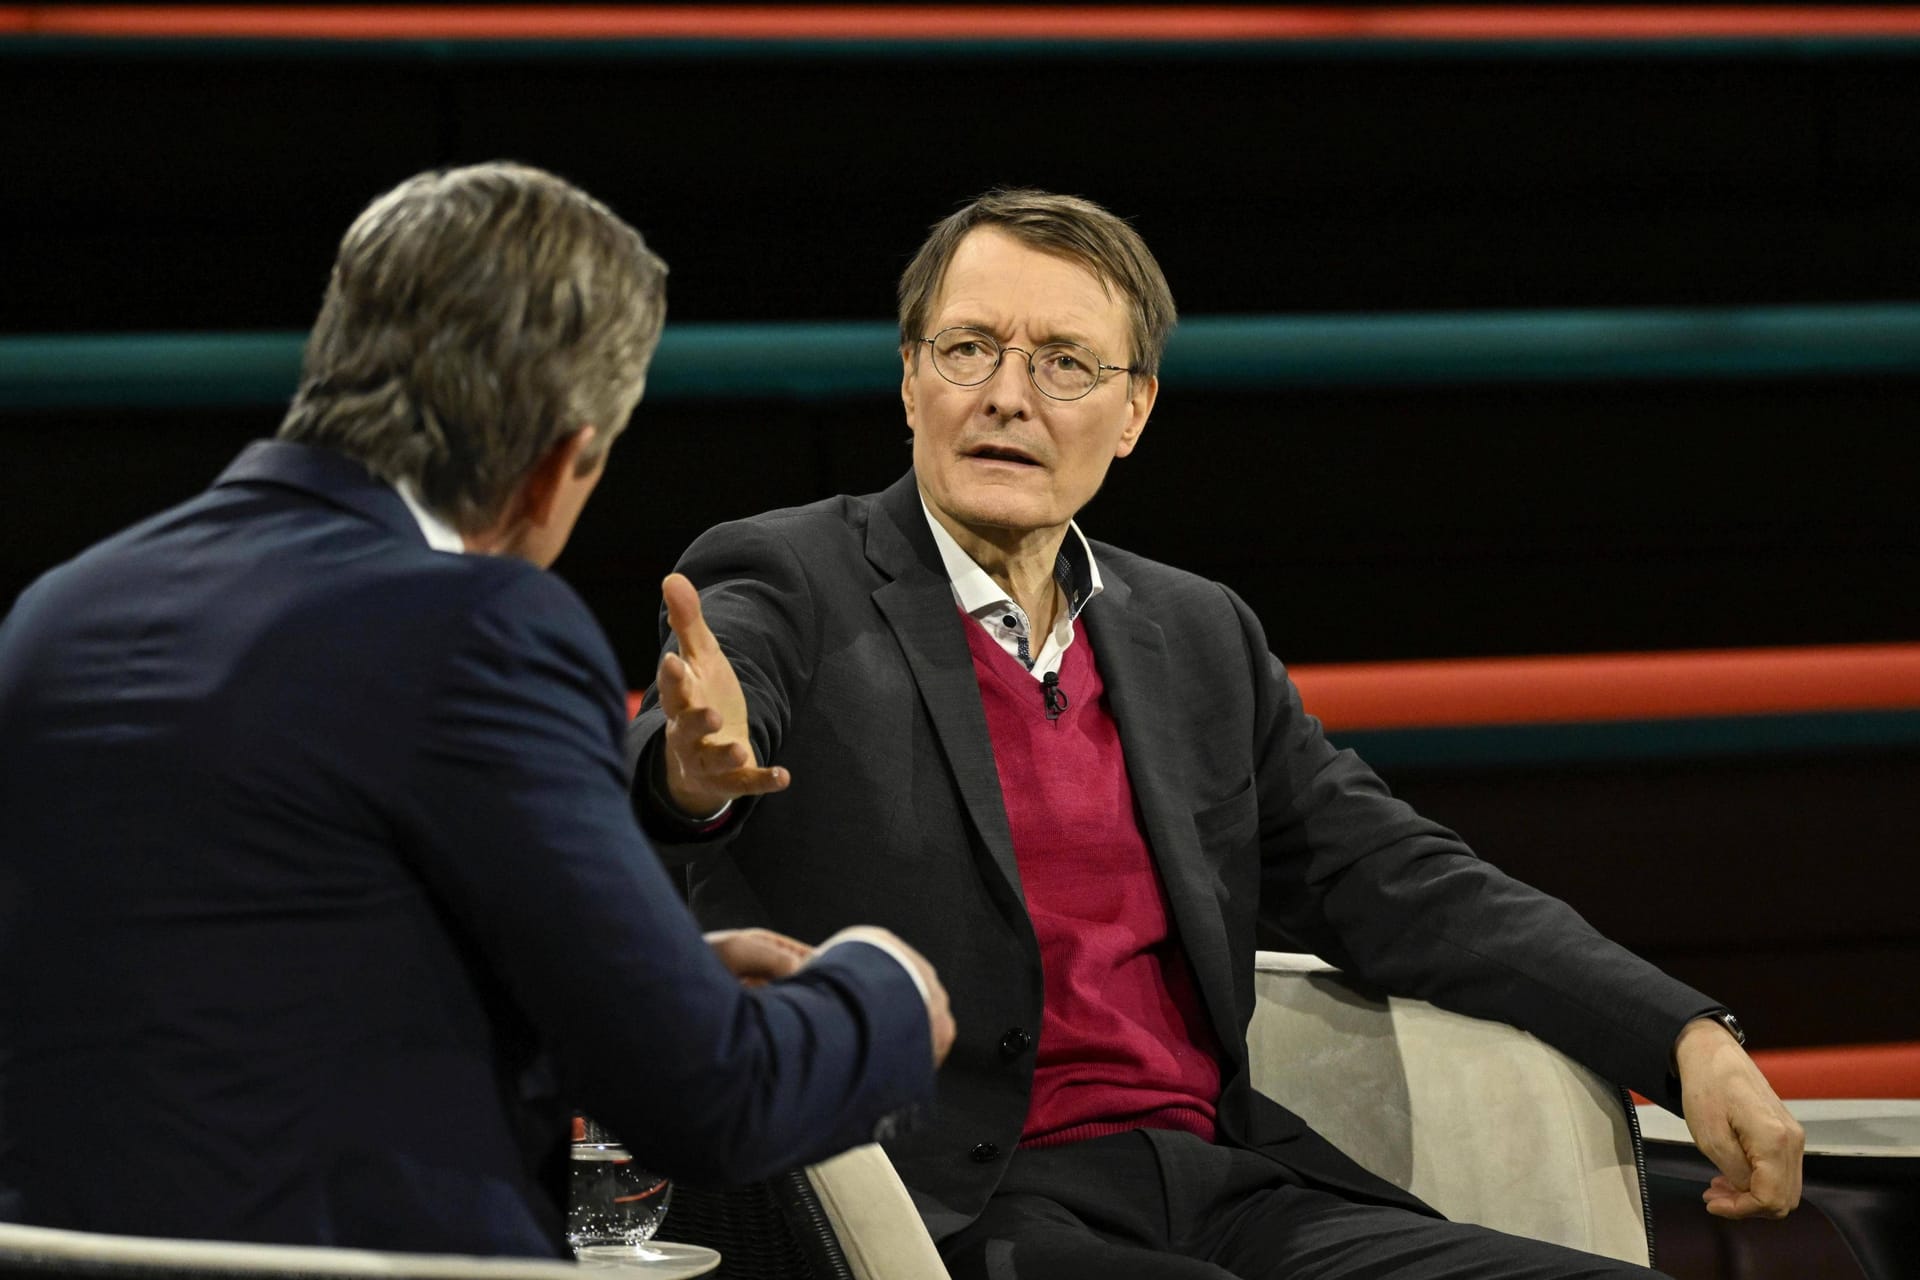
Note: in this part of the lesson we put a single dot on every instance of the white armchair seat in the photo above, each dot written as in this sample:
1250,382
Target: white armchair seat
1482,1121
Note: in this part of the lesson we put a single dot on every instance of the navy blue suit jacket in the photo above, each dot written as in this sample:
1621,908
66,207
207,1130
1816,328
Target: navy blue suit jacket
322,901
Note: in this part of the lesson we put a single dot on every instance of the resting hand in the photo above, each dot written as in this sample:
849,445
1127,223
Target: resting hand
759,956
1738,1122
939,1012
709,759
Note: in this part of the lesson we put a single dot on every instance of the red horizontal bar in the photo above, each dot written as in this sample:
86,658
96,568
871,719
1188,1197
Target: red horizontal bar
894,22
1622,686
1612,686
1843,1071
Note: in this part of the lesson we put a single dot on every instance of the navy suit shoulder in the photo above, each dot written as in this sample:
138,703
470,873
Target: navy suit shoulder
321,899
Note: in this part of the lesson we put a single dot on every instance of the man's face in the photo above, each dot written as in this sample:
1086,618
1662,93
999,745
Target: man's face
1000,457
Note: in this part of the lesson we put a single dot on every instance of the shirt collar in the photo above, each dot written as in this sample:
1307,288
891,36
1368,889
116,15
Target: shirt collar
1074,569
440,535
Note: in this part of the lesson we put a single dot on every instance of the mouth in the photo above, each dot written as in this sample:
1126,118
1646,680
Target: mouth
1002,453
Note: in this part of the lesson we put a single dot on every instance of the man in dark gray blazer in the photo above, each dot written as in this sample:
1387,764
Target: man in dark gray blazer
1079,780
321,898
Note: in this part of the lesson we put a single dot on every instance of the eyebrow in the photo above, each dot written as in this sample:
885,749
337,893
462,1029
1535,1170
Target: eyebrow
997,334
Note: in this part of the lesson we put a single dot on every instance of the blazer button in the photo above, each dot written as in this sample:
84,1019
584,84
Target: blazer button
985,1153
1015,1042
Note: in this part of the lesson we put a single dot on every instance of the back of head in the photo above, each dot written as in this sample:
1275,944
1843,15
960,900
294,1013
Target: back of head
1073,228
474,318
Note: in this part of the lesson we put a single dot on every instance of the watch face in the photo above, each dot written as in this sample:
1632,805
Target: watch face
1732,1024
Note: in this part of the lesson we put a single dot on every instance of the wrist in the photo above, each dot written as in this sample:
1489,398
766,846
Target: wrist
685,811
1708,1033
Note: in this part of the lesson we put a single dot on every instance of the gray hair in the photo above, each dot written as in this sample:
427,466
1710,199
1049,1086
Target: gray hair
1069,226
474,318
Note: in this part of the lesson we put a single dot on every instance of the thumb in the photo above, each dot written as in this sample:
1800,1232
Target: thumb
685,617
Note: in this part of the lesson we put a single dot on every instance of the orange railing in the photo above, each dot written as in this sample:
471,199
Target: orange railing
937,22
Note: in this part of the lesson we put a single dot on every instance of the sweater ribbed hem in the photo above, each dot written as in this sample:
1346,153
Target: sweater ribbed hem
1184,1119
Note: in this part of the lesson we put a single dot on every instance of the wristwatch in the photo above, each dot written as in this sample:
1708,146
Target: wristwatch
1726,1019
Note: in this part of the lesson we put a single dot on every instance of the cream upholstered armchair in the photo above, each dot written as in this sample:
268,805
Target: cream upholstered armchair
1482,1121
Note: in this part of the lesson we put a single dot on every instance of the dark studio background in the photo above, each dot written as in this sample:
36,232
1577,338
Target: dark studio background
156,187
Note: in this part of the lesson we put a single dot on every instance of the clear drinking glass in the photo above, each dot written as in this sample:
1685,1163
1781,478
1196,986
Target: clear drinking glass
613,1205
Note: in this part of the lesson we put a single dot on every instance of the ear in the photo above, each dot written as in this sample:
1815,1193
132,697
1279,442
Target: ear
561,462
907,371
1139,407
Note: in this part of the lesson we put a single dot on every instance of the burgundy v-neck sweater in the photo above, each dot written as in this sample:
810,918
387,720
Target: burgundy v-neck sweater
1124,1041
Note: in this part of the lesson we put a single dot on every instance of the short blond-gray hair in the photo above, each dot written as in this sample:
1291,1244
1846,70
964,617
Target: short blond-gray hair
474,318
1070,226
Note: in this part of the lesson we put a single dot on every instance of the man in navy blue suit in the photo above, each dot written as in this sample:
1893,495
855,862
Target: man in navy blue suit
321,897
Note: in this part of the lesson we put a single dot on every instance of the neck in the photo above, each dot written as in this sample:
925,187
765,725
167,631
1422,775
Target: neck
1020,562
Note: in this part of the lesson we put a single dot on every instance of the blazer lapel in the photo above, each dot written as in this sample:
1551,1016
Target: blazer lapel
918,605
1137,670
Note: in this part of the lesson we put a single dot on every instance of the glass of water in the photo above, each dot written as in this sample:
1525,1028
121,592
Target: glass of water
613,1204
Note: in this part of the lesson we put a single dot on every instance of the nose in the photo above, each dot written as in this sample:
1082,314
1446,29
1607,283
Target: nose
1010,390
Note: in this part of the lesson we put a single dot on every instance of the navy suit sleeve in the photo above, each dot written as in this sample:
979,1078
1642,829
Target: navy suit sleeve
1357,876
517,814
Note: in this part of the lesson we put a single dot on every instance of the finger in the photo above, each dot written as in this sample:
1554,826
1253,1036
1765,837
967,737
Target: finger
1741,1204
757,782
675,680
1725,1200
714,756
1720,1145
686,619
693,726
1773,1188
785,943
757,955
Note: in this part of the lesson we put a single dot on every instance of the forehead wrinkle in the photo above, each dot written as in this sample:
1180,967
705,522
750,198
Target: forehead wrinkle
1070,329
1066,300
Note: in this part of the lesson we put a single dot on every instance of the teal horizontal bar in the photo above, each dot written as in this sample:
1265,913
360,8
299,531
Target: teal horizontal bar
451,51
851,359
1630,741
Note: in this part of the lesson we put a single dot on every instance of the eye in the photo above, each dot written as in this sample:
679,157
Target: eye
964,344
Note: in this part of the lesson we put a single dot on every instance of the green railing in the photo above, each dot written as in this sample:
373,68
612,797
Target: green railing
815,361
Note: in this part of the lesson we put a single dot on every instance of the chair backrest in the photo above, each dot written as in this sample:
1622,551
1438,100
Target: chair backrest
1482,1121
39,1253
874,1218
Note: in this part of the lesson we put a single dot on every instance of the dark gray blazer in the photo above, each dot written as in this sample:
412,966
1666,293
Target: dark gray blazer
840,621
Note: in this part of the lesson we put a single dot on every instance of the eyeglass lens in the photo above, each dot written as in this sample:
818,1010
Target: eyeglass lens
1062,370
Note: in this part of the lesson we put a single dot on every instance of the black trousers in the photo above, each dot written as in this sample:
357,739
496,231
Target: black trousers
1166,1206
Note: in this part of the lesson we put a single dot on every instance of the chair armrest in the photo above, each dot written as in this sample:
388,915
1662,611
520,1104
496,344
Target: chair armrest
879,1229
52,1251
1482,1121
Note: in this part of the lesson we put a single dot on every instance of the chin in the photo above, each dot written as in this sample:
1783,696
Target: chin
1014,517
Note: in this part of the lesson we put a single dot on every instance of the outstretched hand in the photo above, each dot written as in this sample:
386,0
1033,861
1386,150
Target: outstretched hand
1739,1123
709,758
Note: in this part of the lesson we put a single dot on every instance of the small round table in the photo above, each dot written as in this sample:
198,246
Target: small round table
1862,1170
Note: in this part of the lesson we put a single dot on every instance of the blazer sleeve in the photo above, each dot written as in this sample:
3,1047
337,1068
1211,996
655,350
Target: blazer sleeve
1356,875
518,818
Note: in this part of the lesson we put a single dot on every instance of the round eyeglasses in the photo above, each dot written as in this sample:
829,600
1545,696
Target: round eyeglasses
1058,370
